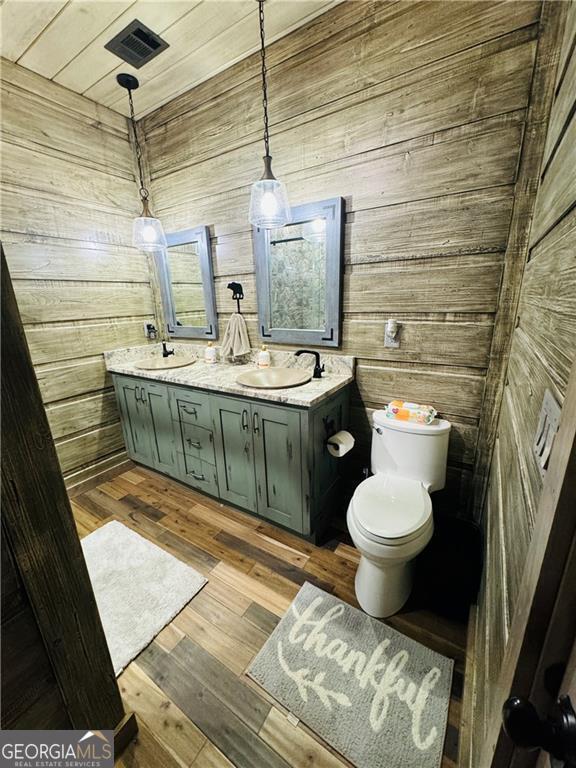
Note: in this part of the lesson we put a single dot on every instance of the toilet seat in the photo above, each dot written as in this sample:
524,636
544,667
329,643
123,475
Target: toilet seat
392,510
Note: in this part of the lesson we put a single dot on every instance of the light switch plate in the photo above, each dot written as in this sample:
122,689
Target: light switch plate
546,431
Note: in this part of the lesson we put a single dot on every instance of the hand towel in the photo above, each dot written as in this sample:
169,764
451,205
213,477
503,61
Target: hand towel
403,411
236,342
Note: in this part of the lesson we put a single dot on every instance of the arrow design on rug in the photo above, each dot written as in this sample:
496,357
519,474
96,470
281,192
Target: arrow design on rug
300,678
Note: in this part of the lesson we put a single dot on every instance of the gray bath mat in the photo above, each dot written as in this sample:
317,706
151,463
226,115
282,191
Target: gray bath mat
377,697
139,588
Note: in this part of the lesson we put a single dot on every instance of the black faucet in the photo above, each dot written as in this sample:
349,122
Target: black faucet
318,370
165,351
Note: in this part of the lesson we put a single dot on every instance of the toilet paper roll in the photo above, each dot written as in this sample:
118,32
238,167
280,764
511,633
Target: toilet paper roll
340,443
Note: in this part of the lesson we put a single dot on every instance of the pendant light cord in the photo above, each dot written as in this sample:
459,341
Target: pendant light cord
264,71
144,194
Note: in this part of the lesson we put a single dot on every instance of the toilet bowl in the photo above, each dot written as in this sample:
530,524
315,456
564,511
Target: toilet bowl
390,522
390,515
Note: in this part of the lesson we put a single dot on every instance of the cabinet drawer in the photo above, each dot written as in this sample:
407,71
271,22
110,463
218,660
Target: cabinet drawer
191,407
197,473
198,442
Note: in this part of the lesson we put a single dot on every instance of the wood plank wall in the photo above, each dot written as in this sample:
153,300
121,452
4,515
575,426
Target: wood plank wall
31,697
542,353
412,111
68,199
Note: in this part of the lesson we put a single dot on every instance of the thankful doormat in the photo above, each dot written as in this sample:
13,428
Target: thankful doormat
377,697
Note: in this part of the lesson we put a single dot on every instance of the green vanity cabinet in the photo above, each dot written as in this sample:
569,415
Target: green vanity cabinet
129,393
159,422
259,458
194,438
146,422
270,459
234,451
278,464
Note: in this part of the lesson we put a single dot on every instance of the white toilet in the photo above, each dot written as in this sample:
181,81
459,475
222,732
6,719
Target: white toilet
390,515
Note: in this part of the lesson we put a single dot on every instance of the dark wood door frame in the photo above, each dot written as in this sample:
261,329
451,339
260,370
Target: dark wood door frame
40,528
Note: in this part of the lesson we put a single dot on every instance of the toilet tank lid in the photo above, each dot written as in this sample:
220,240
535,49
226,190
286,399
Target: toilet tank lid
438,426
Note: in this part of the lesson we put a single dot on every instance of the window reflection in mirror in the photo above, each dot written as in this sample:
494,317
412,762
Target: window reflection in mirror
297,270
298,275
187,287
187,284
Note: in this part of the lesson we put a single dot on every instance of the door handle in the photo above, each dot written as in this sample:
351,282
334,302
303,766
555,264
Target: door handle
245,420
255,422
556,735
193,443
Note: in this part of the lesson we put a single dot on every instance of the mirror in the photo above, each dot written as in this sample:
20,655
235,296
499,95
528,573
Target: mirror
298,276
187,285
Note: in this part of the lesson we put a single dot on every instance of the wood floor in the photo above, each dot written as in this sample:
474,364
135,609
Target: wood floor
194,704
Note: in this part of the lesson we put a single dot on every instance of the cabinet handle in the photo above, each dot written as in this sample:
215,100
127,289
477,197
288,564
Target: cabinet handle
193,444
191,412
143,400
255,422
136,394
245,420
197,477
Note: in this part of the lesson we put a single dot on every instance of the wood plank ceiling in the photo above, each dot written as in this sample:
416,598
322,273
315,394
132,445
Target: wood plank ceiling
64,41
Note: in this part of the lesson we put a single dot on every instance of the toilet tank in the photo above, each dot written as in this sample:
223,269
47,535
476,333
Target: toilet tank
408,449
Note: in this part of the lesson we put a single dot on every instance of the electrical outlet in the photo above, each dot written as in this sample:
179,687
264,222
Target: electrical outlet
150,331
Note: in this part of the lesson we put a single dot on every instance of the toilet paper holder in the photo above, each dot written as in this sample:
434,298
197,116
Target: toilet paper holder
336,447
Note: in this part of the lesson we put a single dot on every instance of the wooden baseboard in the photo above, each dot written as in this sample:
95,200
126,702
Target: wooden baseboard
466,718
125,732
99,477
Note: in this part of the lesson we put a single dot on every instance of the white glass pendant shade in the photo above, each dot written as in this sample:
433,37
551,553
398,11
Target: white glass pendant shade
269,206
148,234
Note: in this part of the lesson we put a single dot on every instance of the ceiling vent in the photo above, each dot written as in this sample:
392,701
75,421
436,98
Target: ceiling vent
136,44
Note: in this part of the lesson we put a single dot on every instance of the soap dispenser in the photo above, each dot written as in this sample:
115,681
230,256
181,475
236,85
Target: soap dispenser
264,357
210,353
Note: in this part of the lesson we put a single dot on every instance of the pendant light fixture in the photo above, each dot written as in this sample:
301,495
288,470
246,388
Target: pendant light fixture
147,232
269,205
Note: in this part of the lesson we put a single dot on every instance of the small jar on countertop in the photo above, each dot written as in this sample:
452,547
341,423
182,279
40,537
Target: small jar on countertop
210,353
264,357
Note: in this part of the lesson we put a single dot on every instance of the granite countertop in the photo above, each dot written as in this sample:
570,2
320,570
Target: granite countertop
221,376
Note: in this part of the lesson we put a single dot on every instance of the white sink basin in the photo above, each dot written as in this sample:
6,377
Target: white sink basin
164,363
274,378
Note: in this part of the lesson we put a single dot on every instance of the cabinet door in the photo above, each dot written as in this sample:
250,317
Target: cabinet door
278,463
155,403
134,422
234,459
